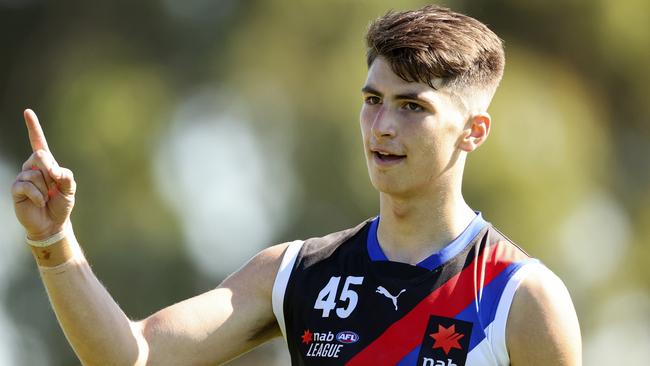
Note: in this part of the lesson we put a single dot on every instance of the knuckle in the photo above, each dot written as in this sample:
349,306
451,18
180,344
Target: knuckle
27,164
31,174
66,174
20,188
30,190
43,157
25,175
40,154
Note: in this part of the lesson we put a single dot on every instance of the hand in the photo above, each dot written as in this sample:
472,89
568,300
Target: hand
43,192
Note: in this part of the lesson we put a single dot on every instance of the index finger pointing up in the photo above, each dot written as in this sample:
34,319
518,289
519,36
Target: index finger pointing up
36,135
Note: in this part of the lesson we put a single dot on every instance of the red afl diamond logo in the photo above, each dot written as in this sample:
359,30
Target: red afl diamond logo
446,338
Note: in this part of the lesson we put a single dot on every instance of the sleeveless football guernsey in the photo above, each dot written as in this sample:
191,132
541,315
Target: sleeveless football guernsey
340,301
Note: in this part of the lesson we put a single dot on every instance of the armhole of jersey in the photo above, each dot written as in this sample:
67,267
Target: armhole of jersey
281,281
499,345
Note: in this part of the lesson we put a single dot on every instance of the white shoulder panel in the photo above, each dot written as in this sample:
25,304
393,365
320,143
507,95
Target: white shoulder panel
498,326
281,281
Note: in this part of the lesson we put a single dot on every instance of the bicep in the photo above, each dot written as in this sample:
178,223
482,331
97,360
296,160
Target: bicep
220,324
542,327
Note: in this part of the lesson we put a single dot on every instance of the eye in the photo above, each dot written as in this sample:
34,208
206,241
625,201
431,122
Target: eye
413,107
372,100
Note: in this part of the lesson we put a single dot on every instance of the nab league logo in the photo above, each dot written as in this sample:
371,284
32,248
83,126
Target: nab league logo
383,291
445,342
323,344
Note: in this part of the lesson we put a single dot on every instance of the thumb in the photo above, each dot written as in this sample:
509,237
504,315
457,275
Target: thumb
64,180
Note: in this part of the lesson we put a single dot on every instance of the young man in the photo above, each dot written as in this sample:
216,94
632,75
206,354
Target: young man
428,282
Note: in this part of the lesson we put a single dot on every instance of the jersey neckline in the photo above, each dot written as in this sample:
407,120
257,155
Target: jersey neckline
436,259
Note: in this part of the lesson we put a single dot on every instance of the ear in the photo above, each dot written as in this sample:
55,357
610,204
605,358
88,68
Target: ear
476,132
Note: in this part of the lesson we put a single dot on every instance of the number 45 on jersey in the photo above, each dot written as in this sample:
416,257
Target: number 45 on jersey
326,300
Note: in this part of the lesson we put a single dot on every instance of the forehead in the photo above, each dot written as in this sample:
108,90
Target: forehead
382,78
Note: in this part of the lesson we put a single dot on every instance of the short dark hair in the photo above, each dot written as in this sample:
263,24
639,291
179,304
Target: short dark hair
437,43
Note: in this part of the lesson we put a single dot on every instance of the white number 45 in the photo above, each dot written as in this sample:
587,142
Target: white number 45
326,299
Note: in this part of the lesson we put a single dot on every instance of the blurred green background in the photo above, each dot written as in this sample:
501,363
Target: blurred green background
203,131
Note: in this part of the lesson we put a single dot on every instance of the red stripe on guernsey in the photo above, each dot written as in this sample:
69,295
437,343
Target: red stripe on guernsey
448,300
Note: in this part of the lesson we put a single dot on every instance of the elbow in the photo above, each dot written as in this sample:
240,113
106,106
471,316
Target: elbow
134,352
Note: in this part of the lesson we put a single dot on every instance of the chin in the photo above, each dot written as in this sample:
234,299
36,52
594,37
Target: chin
390,186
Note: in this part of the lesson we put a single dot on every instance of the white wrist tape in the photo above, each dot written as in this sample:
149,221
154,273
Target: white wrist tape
47,242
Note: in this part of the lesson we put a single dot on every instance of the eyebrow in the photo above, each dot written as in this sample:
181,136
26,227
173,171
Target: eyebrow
404,96
370,90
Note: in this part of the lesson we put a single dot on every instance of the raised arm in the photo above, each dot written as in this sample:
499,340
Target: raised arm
206,329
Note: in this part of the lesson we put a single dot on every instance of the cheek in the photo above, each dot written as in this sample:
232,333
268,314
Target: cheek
366,113
431,141
366,116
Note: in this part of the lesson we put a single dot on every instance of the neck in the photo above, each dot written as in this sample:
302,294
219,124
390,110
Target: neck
412,228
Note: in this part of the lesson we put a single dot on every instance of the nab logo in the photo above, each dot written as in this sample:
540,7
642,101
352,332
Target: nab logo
447,338
445,342
347,337
432,362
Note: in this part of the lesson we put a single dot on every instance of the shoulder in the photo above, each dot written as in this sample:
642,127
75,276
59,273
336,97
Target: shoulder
542,326
317,249
258,274
261,270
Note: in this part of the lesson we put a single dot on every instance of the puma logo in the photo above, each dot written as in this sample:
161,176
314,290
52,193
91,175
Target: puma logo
383,291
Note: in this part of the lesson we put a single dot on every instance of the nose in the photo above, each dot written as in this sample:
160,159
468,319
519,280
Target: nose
383,125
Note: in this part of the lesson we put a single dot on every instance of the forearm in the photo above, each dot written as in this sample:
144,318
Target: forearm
98,330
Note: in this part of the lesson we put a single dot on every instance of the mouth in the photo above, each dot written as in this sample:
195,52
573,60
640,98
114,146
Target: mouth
386,158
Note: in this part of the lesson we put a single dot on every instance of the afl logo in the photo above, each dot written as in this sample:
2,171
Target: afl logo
347,337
